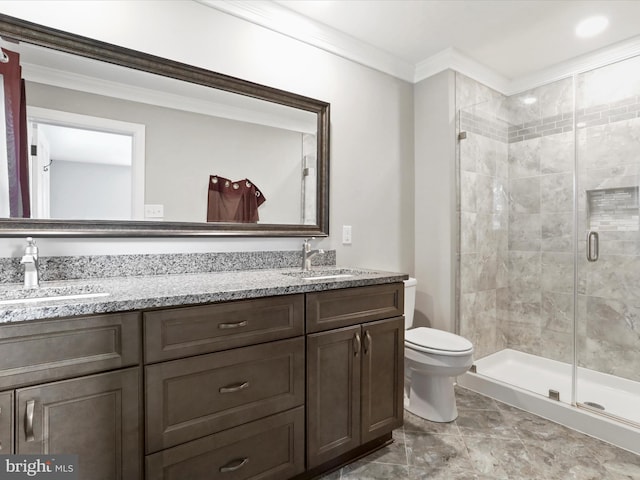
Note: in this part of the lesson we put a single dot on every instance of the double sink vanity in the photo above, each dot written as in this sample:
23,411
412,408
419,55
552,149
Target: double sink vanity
191,366
270,374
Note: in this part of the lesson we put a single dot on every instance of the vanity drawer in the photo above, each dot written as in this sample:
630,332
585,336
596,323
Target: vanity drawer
195,397
185,331
42,351
349,306
269,449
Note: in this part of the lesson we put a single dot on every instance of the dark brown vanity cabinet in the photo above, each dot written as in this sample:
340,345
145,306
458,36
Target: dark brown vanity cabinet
6,423
272,388
355,373
56,402
230,402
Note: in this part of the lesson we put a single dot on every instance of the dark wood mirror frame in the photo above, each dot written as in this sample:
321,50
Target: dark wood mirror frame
21,30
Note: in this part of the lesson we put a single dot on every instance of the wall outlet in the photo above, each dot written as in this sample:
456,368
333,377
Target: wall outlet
346,234
153,211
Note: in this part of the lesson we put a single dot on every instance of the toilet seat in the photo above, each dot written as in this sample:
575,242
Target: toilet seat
438,342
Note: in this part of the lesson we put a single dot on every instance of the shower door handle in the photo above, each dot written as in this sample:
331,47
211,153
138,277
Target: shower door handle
593,246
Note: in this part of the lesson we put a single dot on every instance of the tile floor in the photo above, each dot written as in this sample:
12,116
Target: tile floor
491,440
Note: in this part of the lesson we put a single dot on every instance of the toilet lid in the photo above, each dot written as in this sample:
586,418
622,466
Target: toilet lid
437,340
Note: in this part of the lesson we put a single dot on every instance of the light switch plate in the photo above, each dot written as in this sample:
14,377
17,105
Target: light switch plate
346,234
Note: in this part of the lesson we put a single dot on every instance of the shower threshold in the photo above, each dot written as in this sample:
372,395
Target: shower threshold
524,381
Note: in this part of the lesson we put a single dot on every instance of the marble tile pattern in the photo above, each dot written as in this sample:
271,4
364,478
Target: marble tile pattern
491,441
139,292
482,213
102,266
531,306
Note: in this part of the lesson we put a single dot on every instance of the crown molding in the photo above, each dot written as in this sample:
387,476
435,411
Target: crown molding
454,60
583,63
287,22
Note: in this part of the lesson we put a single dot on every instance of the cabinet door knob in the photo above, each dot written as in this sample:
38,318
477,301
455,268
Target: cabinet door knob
28,421
234,465
367,341
236,387
356,344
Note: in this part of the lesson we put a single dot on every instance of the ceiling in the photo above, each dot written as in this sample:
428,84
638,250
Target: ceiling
78,145
511,39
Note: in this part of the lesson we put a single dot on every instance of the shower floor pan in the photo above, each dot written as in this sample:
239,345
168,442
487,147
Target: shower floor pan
525,381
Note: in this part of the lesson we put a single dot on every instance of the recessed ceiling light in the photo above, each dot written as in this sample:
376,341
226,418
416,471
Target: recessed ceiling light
591,26
529,100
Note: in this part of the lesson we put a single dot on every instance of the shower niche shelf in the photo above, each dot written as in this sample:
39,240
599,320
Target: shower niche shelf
613,209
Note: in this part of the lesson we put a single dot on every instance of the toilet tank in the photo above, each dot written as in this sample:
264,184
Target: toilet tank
409,301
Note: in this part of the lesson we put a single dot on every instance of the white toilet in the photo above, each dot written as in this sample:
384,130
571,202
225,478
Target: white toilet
433,358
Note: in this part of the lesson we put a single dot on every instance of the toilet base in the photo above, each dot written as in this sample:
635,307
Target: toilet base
431,398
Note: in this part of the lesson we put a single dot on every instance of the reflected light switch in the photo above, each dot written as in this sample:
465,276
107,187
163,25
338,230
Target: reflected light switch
153,211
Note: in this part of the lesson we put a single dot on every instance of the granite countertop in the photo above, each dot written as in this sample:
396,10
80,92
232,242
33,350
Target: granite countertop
119,294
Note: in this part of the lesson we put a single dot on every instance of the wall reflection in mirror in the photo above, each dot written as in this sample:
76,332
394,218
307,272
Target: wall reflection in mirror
110,143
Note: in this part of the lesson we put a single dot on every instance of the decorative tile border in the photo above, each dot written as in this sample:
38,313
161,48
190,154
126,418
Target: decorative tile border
103,266
494,128
497,129
541,128
609,113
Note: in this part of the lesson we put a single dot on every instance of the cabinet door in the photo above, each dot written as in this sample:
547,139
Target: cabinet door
382,377
95,417
6,423
333,393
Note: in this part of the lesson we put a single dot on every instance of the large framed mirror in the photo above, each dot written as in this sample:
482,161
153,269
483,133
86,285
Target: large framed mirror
123,143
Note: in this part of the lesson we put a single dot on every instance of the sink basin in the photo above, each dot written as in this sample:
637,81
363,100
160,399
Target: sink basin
49,294
323,274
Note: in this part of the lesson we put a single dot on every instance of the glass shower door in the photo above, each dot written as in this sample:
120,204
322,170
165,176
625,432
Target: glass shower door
516,256
608,269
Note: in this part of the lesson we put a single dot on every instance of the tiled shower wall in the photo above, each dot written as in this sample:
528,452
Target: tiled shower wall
608,150
539,300
516,257
482,254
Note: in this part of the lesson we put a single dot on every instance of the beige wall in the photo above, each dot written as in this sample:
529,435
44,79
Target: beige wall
371,121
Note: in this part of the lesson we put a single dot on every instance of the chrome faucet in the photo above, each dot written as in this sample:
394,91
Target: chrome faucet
308,254
31,267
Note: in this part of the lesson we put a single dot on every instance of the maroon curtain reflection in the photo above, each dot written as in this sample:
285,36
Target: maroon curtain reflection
230,201
16,126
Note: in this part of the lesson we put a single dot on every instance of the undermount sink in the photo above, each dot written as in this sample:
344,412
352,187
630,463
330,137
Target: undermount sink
49,294
323,274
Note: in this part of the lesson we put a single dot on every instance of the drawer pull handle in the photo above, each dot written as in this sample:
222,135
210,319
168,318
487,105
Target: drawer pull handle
234,465
28,421
367,342
356,344
224,326
236,387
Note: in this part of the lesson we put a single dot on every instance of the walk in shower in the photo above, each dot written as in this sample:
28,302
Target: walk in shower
548,284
